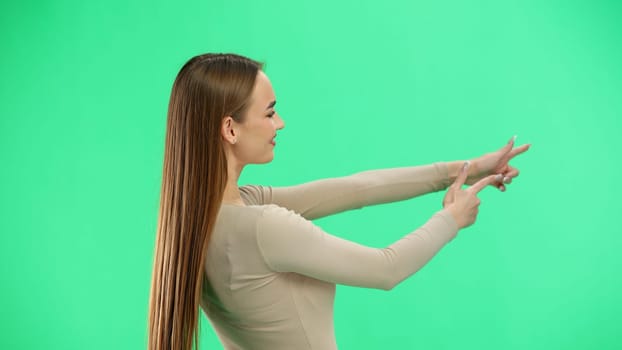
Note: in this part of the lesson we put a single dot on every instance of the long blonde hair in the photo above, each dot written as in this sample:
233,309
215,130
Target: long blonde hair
207,88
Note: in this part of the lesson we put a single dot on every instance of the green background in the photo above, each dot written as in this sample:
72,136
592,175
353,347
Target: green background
361,85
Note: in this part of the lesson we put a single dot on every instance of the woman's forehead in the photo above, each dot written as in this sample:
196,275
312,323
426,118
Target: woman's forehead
263,93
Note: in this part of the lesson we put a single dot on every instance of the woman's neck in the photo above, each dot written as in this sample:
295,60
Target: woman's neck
232,192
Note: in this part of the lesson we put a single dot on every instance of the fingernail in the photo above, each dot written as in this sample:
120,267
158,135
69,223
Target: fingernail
513,138
498,177
466,165
506,180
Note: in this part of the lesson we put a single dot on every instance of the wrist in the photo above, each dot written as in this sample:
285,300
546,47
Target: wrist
453,212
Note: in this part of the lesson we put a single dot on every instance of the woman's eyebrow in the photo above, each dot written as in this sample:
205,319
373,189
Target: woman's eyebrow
271,104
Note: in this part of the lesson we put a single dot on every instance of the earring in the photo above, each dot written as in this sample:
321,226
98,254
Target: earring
234,141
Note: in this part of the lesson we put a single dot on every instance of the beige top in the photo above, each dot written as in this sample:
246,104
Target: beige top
271,273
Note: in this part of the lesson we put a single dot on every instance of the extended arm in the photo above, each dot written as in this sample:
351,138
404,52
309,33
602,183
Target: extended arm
289,243
330,196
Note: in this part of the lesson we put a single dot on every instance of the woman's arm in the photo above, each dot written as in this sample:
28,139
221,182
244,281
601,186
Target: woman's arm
290,243
325,197
329,196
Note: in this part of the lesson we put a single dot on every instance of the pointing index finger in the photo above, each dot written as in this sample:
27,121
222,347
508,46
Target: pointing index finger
479,185
518,150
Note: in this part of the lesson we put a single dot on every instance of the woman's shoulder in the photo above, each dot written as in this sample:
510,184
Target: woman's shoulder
253,211
262,220
259,210
274,218
256,194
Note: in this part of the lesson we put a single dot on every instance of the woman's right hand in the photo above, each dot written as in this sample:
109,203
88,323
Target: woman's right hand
463,204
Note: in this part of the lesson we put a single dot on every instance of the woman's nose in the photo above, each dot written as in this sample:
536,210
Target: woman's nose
280,124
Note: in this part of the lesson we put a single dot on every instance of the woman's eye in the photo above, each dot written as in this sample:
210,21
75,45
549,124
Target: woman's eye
271,114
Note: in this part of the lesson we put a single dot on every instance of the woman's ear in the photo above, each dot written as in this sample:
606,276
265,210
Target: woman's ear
228,130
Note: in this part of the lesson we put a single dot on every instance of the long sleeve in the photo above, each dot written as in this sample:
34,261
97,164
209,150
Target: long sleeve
290,243
324,197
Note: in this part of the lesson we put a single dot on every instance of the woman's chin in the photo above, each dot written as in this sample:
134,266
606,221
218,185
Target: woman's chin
267,159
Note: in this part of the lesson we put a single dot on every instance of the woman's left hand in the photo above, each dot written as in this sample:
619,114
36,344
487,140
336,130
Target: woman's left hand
496,163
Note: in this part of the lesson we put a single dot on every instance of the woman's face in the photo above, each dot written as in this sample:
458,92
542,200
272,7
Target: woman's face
255,135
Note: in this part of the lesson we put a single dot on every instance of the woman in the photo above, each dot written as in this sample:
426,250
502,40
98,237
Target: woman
249,256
